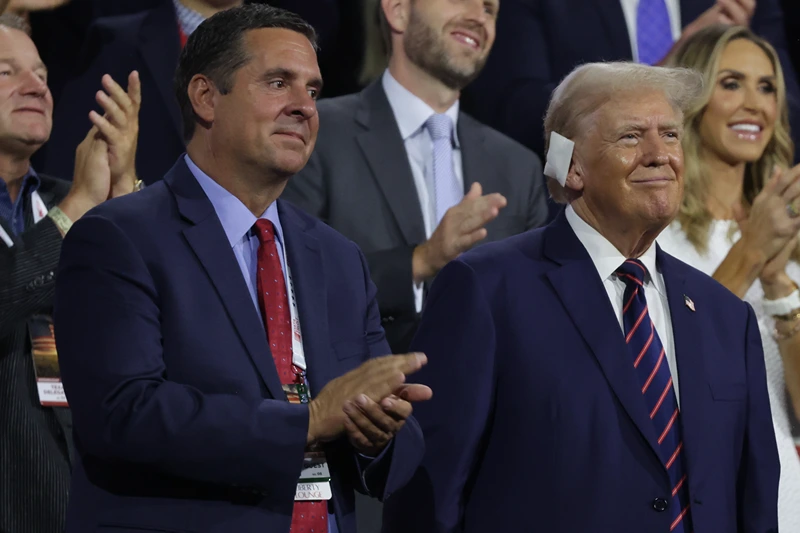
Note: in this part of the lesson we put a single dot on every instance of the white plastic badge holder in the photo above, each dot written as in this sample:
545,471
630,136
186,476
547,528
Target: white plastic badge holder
309,492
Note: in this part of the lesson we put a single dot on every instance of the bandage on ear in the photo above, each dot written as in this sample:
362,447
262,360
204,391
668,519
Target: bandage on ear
559,157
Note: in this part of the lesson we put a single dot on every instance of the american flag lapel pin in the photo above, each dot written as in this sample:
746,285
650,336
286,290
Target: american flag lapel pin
689,303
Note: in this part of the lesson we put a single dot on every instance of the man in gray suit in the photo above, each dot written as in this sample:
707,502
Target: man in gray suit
399,170
35,213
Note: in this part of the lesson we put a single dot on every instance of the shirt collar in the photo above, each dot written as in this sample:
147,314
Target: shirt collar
605,256
410,111
236,219
188,18
30,183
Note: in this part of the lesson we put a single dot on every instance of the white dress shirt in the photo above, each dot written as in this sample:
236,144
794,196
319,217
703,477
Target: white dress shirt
607,259
411,113
629,8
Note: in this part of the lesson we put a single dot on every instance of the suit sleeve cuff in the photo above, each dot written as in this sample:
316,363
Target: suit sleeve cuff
373,471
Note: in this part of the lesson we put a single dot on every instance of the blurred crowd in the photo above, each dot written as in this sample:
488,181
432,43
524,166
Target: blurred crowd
88,113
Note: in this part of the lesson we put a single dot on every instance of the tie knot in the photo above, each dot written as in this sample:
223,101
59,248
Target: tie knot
440,126
632,270
265,230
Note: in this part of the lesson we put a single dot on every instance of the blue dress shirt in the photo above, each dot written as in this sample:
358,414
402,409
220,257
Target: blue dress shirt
14,212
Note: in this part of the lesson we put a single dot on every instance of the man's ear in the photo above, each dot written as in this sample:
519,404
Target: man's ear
575,176
202,93
397,13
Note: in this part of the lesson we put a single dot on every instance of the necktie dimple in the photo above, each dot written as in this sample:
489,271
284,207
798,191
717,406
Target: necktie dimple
308,516
651,367
653,31
447,191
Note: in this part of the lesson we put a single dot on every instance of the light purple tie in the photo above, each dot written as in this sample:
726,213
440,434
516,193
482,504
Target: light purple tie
653,31
447,190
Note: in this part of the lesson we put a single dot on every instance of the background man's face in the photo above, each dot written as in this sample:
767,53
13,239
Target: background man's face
26,105
451,40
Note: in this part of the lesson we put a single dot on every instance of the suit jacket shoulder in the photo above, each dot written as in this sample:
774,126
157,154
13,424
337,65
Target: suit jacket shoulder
154,210
695,278
337,117
142,216
504,146
327,236
498,255
339,107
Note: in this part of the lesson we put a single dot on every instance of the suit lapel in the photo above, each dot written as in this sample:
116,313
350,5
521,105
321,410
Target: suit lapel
207,239
476,164
386,155
306,265
580,289
160,49
692,384
613,19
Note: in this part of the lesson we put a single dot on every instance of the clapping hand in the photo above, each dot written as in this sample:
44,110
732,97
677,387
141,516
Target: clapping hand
372,425
119,128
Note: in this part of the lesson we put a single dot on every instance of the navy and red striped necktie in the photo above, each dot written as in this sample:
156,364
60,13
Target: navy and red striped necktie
649,361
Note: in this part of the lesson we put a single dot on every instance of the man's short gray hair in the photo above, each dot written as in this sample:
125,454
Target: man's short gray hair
591,85
15,22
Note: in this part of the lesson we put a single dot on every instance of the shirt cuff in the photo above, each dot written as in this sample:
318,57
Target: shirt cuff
418,294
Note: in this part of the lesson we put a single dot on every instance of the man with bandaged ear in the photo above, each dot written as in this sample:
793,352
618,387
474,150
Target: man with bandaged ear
586,380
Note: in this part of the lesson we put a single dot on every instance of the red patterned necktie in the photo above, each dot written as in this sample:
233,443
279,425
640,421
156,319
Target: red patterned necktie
183,37
308,517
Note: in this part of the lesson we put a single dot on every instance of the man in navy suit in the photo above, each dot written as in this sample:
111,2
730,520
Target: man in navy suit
189,313
541,41
585,380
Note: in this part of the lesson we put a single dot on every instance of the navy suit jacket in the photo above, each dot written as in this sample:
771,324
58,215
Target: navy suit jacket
538,423
179,417
541,41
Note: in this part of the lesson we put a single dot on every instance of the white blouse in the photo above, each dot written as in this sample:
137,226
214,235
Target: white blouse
722,235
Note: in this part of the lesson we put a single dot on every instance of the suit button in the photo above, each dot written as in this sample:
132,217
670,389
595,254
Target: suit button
660,504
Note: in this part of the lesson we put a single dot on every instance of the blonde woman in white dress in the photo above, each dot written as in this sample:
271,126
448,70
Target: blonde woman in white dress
740,217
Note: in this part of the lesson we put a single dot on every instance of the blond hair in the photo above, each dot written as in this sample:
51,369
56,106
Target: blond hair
702,52
591,85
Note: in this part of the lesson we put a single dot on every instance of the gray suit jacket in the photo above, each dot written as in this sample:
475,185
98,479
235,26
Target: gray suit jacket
359,181
35,440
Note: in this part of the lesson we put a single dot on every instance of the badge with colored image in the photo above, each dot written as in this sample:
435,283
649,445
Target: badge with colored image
45,362
296,393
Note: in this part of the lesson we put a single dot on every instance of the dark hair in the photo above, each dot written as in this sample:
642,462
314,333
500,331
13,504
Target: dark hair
216,49
15,22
